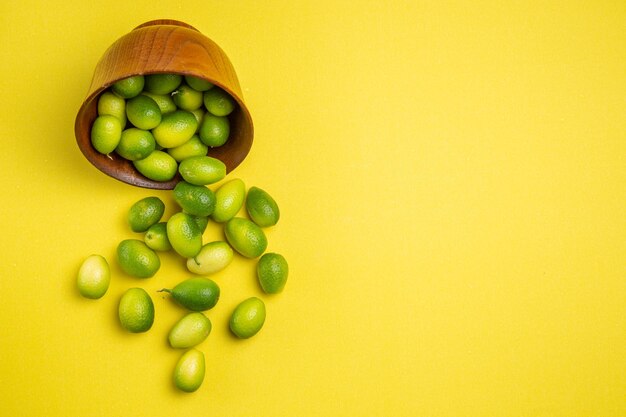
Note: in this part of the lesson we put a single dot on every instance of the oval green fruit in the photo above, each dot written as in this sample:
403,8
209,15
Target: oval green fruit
218,102
212,258
106,133
198,84
164,101
136,310
94,276
143,112
214,130
229,198
193,147
113,105
129,87
189,371
196,200
156,237
248,318
158,166
135,144
137,259
162,83
187,98
196,294
261,207
189,331
202,170
184,235
272,271
245,237
175,128
202,222
144,213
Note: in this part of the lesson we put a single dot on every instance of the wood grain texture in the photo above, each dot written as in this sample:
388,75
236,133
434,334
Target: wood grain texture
164,46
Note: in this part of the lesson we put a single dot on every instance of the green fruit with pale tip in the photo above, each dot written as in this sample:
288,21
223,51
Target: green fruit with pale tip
184,235
229,198
189,371
93,277
248,318
189,331
212,258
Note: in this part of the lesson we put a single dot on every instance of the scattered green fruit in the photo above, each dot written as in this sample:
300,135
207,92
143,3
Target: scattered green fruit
229,198
212,258
245,237
189,371
272,271
189,331
196,200
136,310
195,294
144,213
248,318
184,235
261,207
93,277
137,259
156,237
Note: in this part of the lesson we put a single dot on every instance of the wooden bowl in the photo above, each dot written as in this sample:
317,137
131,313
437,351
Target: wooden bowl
163,46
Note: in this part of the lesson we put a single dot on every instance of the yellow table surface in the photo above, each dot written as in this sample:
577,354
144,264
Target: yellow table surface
452,183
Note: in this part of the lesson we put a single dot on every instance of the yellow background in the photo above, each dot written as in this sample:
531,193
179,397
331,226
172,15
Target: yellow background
452,180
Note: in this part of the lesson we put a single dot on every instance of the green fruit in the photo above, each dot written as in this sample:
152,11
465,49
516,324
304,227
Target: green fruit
135,144
158,166
136,310
189,331
144,213
187,98
193,147
156,237
113,105
272,271
93,277
229,198
248,318
106,133
137,259
245,237
202,222
261,207
189,371
175,128
196,200
162,83
184,235
196,294
218,102
129,87
212,258
202,170
143,112
198,84
164,101
214,130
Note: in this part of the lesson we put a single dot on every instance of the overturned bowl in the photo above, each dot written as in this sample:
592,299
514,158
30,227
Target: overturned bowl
163,47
